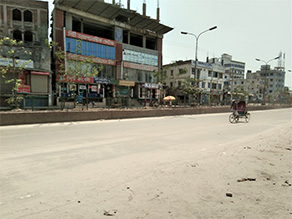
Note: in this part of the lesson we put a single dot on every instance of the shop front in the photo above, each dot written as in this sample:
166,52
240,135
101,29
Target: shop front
83,90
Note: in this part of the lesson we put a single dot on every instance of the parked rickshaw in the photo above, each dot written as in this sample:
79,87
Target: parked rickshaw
240,113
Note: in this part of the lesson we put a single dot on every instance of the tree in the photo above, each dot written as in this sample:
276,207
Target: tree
191,87
13,49
73,66
177,88
239,91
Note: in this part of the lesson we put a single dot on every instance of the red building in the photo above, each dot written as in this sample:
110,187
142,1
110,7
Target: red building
125,45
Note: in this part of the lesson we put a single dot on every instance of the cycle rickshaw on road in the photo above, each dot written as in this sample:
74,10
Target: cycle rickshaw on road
240,113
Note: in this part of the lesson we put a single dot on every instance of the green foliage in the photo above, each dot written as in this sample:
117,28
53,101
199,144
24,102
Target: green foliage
14,68
160,75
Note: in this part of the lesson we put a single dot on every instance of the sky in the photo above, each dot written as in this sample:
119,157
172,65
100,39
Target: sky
246,30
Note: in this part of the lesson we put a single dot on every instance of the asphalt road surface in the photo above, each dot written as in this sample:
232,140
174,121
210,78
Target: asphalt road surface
84,169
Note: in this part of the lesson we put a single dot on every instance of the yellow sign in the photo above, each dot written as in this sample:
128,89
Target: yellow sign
126,83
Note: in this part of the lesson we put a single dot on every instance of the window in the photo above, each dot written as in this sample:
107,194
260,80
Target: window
16,15
214,86
171,72
27,16
28,36
171,84
209,73
193,71
17,35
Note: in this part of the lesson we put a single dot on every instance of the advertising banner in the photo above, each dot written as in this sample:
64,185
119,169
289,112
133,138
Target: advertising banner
140,67
126,83
23,88
95,39
94,59
98,80
150,85
80,79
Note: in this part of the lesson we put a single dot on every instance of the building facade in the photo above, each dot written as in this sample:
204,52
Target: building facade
266,84
125,45
208,79
26,21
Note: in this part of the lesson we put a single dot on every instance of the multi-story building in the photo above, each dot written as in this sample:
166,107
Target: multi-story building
26,21
127,45
208,79
234,73
266,84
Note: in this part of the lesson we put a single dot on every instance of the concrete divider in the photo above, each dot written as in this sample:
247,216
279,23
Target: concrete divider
36,117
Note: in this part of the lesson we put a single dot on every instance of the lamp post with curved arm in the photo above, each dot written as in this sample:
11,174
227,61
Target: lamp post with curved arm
197,39
266,72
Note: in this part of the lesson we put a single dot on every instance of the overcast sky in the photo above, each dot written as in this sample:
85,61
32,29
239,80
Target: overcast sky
247,29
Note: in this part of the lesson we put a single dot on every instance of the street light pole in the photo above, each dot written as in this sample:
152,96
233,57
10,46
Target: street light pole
197,39
266,70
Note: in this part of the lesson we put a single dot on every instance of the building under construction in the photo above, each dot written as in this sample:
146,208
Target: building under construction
124,45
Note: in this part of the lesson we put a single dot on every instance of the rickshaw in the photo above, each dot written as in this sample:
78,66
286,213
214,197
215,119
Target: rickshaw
240,113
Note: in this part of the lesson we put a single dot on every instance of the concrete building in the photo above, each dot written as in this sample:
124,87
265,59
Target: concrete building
26,21
266,84
234,74
127,45
208,80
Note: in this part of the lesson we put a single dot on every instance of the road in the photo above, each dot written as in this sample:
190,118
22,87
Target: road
121,168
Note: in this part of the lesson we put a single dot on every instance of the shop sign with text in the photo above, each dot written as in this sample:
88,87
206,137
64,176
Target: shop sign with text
98,80
23,88
140,67
126,83
68,78
94,59
150,85
95,39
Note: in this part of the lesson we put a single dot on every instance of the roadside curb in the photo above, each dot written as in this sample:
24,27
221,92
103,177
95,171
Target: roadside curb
37,117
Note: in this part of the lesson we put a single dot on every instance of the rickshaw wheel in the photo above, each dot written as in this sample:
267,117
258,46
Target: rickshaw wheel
247,117
232,118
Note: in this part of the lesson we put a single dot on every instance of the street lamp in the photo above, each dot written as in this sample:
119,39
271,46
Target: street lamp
266,68
197,39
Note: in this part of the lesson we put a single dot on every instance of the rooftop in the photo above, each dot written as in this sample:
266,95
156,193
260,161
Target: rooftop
115,12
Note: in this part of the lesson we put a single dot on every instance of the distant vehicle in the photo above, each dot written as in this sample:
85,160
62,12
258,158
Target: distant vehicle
240,113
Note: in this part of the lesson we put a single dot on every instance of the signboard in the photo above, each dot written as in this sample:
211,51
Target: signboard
150,85
98,80
22,78
140,58
23,88
95,39
79,79
93,88
72,87
119,34
82,87
140,67
126,83
39,73
18,62
202,64
94,59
